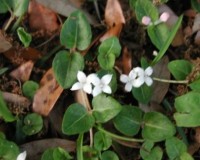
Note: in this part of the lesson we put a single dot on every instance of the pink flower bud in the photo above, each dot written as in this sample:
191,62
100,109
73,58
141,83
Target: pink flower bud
146,20
164,16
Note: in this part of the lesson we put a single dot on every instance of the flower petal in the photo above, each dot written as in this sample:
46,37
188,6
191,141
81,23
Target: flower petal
81,77
138,82
124,78
22,156
148,81
128,87
106,78
87,88
148,71
132,75
94,79
97,90
139,71
107,89
76,86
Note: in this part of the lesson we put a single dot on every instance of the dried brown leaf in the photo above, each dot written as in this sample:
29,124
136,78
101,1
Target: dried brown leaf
36,148
23,72
42,18
47,95
159,88
113,13
5,44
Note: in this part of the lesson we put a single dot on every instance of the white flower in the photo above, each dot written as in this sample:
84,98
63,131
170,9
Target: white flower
137,77
147,73
84,82
164,16
21,156
101,85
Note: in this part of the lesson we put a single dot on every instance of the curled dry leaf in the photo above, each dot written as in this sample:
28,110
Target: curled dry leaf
179,38
114,19
23,72
160,89
47,95
36,148
16,99
42,18
21,55
5,44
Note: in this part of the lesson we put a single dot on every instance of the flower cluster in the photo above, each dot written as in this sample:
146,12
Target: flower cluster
92,84
137,77
146,20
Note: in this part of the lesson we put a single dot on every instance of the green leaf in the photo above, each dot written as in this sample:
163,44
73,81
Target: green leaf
142,94
61,154
66,67
102,141
108,51
24,37
20,7
195,5
4,6
175,148
188,110
76,32
105,108
195,86
186,156
168,41
29,88
109,155
158,34
48,154
146,8
157,127
77,120
128,121
3,70
8,150
148,152
180,69
4,111
33,123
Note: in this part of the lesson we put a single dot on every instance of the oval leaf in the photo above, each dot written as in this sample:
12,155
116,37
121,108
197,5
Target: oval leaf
180,69
29,88
24,37
77,120
20,7
102,141
105,108
175,148
33,124
66,67
157,127
188,110
128,121
109,155
76,32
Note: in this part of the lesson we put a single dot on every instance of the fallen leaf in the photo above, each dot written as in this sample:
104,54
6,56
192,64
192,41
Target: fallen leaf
65,8
194,147
16,99
179,38
35,149
159,88
5,44
21,55
114,19
42,18
113,13
47,95
23,72
126,61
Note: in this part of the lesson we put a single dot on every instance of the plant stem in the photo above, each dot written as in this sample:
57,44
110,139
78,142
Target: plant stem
16,24
117,136
170,81
12,17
